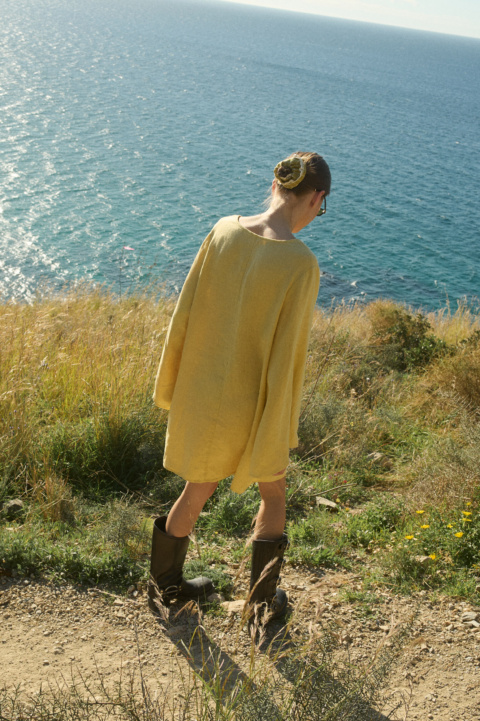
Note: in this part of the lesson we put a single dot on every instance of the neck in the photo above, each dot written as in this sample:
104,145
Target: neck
283,216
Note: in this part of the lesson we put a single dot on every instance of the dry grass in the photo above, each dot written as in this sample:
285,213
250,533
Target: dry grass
78,426
81,350
71,368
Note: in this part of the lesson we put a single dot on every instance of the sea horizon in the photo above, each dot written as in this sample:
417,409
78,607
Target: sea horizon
128,132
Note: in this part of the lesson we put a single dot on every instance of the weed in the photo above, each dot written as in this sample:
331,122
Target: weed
230,512
404,341
379,517
312,542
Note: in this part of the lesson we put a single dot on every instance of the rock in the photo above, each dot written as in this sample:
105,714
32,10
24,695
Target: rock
472,624
469,616
380,459
12,509
233,606
331,505
215,598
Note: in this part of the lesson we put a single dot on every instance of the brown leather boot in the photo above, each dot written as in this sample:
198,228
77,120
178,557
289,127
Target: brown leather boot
166,569
267,560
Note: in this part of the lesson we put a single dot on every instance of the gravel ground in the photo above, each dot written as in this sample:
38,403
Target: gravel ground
53,635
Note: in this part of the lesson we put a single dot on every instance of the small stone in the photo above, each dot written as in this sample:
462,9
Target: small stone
233,606
380,459
118,602
330,505
472,624
46,663
216,598
131,589
13,509
469,616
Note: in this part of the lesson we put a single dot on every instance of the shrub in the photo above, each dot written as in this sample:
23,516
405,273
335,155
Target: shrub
404,340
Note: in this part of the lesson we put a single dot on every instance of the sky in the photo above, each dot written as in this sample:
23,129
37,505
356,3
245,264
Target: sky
454,17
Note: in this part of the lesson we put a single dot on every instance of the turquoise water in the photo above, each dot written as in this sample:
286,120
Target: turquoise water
139,124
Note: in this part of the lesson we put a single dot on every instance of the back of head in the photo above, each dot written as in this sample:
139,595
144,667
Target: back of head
302,173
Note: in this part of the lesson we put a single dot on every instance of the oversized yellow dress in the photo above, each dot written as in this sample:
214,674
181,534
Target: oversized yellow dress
233,363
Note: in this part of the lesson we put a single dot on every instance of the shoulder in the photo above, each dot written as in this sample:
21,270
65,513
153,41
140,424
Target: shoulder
226,224
303,259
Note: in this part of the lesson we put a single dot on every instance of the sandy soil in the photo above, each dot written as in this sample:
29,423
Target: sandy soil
53,635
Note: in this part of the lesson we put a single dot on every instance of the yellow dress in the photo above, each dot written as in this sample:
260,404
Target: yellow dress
233,362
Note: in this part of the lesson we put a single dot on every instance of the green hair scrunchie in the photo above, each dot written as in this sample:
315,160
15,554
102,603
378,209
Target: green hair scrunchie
297,169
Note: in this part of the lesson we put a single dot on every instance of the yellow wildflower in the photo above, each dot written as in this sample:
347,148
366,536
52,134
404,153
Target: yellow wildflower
465,520
425,525
468,503
420,511
467,513
432,556
409,538
459,534
449,525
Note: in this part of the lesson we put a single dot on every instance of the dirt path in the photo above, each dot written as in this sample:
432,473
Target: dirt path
51,635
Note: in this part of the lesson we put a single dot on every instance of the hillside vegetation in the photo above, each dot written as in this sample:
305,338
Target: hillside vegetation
389,431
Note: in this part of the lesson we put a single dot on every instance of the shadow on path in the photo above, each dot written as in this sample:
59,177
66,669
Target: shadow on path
309,691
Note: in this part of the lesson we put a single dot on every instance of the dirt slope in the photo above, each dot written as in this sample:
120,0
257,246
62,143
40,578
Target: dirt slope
51,636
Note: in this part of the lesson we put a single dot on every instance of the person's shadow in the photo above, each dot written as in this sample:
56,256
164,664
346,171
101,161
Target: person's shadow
309,691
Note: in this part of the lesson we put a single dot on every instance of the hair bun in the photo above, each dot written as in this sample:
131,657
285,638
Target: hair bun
290,172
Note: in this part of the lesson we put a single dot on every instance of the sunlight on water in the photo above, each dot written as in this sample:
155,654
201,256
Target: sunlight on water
140,125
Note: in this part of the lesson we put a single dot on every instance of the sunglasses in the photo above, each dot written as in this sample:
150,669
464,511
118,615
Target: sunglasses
323,207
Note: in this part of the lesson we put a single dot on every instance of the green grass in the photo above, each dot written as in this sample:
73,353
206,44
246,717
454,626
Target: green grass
389,426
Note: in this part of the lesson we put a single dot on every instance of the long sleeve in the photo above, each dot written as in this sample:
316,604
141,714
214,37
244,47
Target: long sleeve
174,341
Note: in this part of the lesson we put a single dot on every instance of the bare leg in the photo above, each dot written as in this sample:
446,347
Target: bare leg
270,521
187,508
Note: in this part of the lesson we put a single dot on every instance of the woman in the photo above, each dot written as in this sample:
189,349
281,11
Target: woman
231,375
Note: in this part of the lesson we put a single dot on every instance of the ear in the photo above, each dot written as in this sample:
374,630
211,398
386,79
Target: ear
316,195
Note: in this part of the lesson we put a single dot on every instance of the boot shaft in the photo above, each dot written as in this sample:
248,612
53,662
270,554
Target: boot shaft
166,568
267,561
168,555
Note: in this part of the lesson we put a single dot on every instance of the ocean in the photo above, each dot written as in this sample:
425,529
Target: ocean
127,129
